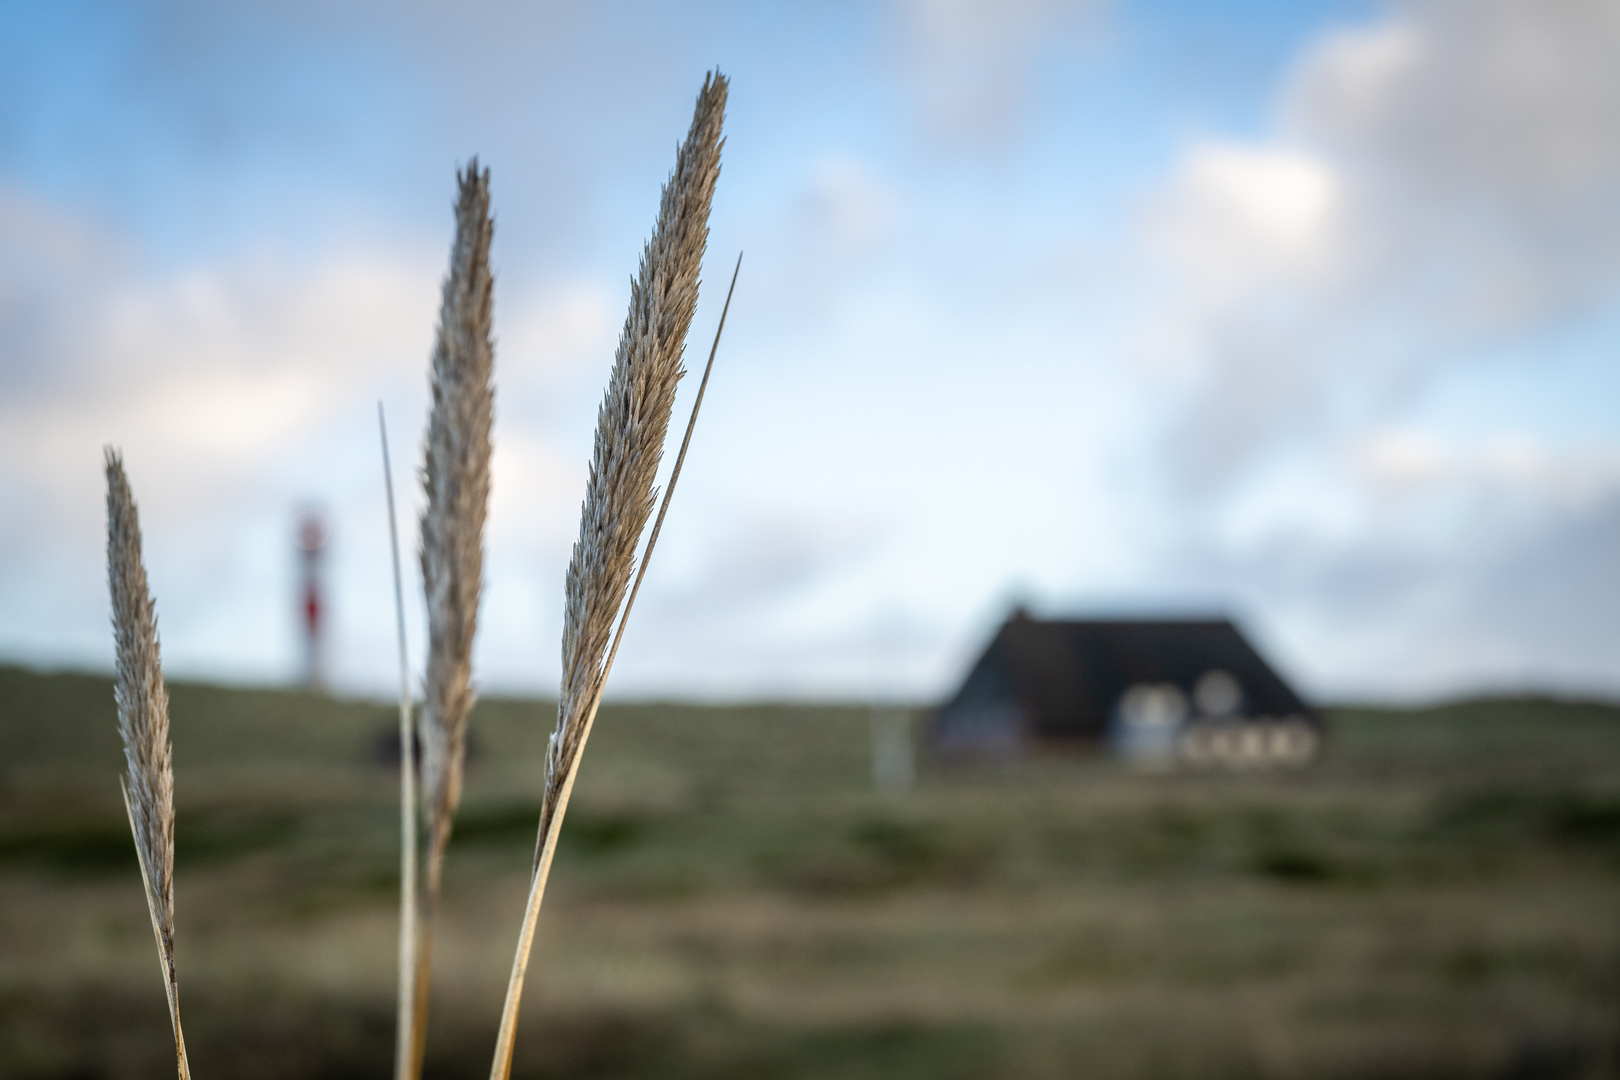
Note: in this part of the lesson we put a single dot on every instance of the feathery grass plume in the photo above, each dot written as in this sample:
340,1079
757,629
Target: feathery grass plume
669,492
455,474
405,1034
143,724
619,496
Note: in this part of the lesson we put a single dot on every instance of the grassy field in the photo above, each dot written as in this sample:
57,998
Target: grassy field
1440,897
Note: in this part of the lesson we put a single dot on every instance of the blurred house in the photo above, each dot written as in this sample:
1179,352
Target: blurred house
1154,691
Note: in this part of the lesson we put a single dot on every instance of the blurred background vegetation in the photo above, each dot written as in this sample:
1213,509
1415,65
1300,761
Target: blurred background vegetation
1438,897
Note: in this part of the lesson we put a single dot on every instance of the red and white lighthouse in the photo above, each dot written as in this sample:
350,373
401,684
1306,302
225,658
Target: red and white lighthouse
311,534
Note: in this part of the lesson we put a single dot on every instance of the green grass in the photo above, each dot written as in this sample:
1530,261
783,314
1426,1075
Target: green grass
1440,897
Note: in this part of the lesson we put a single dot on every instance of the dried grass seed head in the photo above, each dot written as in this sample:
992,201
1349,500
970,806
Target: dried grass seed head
142,700
633,421
455,475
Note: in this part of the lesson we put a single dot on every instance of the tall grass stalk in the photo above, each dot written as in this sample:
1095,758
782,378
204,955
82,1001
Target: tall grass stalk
143,724
455,474
619,496
405,1034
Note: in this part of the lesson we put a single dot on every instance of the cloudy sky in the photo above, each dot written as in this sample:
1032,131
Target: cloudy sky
1306,311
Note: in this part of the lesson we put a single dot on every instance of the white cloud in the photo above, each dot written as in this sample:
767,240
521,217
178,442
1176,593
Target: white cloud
1438,181
556,333
1239,217
1406,466
836,222
973,64
1515,102
763,560
1479,137
1506,596
846,209
238,390
1445,174
203,376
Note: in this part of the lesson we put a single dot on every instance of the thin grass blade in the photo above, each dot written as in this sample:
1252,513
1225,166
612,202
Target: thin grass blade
406,1020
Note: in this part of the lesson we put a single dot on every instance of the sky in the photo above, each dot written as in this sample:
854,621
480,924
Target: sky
1306,313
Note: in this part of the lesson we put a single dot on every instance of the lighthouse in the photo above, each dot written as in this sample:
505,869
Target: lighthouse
311,533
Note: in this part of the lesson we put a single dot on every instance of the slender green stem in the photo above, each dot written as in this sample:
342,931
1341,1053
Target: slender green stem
407,1057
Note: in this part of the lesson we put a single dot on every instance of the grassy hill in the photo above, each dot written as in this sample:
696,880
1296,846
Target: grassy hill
1439,897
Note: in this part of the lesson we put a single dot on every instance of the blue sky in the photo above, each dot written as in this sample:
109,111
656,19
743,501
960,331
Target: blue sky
1303,312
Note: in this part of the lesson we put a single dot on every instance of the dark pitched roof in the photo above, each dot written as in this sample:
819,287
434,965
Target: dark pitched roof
1057,679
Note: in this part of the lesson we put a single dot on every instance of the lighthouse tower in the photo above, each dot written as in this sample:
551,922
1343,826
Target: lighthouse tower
311,534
